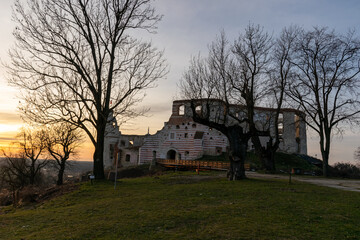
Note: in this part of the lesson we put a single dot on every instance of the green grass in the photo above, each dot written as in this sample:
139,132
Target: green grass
183,206
283,161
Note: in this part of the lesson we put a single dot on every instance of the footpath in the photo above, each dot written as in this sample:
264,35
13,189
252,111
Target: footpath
347,185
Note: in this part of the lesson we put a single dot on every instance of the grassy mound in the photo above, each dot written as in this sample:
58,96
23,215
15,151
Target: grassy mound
283,161
187,206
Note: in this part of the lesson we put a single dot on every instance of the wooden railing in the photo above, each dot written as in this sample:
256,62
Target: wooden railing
194,164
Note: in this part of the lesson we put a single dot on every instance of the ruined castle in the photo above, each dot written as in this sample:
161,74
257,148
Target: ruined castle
182,138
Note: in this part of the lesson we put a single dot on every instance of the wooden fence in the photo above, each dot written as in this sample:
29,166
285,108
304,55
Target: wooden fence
193,164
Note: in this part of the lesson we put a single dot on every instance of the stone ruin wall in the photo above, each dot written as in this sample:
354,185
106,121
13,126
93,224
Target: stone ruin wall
190,140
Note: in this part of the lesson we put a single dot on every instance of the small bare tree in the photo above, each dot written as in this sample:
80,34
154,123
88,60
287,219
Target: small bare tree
62,142
22,164
77,62
31,145
327,83
13,175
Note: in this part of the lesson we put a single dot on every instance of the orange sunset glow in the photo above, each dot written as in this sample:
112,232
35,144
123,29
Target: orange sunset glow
190,36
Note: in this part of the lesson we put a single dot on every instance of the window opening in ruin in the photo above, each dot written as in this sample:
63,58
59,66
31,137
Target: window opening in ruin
181,110
186,154
280,129
119,158
280,126
111,151
185,135
218,150
194,125
186,128
211,138
198,109
281,117
127,158
122,143
177,127
172,135
198,135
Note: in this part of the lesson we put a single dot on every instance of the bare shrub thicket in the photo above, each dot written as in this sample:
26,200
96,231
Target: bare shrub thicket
24,161
346,170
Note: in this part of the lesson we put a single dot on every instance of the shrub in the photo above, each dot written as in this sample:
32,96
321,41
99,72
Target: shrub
345,170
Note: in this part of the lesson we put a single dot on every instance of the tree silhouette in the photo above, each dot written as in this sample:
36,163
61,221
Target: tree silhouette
76,62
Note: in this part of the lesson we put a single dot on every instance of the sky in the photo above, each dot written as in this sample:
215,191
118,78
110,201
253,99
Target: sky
186,29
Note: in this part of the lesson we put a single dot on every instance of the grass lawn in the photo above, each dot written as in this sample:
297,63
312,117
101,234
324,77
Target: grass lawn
185,206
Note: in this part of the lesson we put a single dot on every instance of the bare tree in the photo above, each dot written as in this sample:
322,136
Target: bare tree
32,147
252,54
77,62
327,85
207,85
280,74
24,167
62,142
246,73
13,174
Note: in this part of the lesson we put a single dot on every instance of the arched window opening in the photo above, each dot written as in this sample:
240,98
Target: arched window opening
181,110
198,109
281,125
171,154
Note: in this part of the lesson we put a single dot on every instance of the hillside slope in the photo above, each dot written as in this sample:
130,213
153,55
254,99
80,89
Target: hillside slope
188,206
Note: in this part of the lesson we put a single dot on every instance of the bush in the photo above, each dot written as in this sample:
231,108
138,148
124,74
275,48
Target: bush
345,170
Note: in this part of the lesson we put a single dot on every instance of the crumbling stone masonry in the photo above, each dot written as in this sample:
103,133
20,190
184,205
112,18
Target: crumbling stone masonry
182,138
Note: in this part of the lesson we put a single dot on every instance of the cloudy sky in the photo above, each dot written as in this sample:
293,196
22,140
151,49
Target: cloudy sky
188,26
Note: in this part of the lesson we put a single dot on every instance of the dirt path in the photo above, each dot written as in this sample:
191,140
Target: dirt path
347,185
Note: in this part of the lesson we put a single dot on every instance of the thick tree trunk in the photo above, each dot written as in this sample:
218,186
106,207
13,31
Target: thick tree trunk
237,169
60,179
32,173
265,155
325,150
270,156
98,169
237,142
325,158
